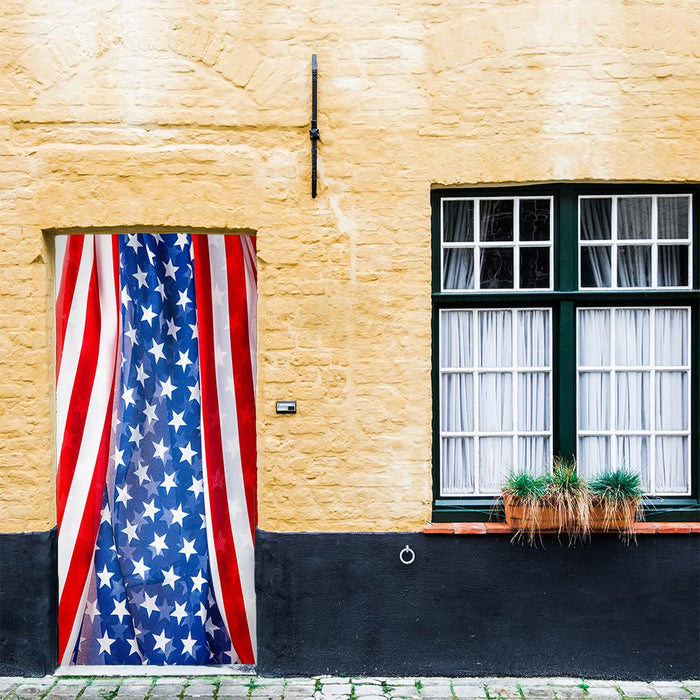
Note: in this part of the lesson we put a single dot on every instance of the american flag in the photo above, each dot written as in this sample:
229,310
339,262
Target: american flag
156,448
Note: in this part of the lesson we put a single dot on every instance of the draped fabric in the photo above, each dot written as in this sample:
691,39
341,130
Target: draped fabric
495,396
633,408
156,442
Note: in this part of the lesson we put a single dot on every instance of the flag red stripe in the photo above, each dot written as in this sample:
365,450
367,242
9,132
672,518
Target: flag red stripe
225,550
80,395
84,547
64,300
242,371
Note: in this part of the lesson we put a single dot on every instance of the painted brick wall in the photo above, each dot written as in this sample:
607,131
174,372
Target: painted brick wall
195,113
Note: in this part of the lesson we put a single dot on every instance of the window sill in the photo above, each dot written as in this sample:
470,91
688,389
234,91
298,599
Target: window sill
502,529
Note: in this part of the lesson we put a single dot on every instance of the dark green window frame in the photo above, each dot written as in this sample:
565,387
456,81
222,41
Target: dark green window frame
564,300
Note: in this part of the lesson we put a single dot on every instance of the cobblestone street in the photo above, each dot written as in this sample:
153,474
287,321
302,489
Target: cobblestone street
253,688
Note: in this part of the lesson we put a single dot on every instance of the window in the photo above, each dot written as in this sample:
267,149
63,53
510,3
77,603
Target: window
565,320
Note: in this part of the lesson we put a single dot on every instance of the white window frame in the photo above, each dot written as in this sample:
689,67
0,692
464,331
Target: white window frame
654,242
613,368
476,370
515,245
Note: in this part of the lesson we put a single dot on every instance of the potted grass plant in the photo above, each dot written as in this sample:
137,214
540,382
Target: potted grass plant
564,502
617,501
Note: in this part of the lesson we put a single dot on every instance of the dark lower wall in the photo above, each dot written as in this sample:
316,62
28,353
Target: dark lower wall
478,606
28,603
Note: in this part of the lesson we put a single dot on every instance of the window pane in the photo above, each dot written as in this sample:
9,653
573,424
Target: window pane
593,337
672,400
633,454
496,217
456,339
457,468
634,218
593,455
533,454
495,402
533,338
633,403
496,268
673,266
533,401
458,221
534,268
674,217
632,337
595,219
457,401
634,266
596,266
672,337
495,461
534,219
594,401
672,465
495,333
458,268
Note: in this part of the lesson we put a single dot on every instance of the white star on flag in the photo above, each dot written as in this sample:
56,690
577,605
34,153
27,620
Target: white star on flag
188,644
148,315
169,577
177,421
161,641
198,581
178,514
105,643
104,577
188,549
187,453
149,603
140,277
140,569
170,269
120,610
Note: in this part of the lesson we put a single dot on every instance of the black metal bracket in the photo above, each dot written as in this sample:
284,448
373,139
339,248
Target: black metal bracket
314,133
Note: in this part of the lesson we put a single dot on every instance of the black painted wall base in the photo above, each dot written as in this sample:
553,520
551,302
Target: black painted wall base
478,606
28,604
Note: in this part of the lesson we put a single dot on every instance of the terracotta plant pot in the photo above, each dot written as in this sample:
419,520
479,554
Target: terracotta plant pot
622,521
541,518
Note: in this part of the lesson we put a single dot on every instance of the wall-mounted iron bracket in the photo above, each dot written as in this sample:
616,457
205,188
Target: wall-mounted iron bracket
314,133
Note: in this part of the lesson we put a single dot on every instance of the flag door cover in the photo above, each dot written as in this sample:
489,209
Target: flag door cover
155,392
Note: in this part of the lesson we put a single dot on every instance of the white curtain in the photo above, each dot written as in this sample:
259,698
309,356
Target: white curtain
498,432
458,268
660,458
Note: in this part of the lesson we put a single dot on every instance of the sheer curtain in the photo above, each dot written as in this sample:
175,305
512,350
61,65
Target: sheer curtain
632,413
495,400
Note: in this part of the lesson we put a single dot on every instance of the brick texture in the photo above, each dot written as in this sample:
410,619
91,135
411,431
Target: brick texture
187,113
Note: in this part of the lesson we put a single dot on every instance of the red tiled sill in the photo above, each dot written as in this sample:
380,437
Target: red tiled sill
503,529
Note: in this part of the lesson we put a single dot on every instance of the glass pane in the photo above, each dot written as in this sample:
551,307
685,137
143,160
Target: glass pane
594,337
672,465
673,266
456,339
457,403
672,337
495,461
533,454
596,266
593,455
596,214
633,404
674,217
633,455
534,219
457,466
496,268
458,268
634,266
496,217
533,401
495,402
634,218
594,401
533,338
671,401
458,221
632,337
495,339
534,268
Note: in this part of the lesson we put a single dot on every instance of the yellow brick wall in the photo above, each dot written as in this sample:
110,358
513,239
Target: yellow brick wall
195,113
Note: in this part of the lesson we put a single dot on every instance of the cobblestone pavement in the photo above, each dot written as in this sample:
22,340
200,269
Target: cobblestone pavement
251,687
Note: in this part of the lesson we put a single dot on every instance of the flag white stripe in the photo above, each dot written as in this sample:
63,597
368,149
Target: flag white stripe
235,489
98,410
75,330
252,297
59,244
